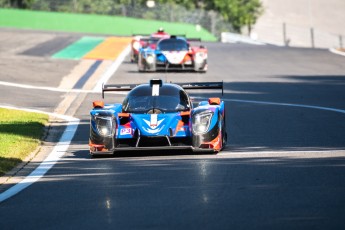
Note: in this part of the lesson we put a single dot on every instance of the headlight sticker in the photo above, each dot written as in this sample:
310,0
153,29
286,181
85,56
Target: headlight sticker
104,126
201,122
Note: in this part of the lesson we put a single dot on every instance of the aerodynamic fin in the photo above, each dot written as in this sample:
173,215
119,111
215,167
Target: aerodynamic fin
120,87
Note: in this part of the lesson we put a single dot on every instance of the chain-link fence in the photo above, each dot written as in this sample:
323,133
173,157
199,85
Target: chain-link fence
209,20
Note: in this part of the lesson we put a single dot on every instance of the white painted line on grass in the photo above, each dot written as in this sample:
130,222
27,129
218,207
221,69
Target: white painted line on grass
112,69
57,152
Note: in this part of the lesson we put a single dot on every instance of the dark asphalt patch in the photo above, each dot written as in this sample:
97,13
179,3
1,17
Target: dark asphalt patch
81,82
50,47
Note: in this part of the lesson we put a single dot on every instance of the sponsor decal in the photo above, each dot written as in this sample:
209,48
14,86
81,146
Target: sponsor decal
155,90
126,131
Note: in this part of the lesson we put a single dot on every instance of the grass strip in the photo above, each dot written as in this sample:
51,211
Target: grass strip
20,134
97,24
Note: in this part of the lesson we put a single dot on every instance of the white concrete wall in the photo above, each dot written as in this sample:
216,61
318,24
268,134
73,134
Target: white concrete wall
327,17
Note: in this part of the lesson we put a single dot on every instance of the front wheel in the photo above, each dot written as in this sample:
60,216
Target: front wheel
224,133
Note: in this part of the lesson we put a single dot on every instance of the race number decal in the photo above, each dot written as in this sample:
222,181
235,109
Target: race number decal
126,131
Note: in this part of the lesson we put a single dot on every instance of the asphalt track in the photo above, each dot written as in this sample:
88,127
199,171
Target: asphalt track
284,166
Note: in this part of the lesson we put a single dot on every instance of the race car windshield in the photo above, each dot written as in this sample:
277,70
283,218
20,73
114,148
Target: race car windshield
173,45
150,41
167,101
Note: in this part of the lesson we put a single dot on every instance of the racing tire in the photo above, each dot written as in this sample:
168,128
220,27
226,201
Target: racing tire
224,134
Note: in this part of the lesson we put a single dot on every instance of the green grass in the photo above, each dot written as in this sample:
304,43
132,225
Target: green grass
97,24
20,134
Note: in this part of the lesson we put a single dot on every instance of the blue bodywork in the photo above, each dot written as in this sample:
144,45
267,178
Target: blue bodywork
116,127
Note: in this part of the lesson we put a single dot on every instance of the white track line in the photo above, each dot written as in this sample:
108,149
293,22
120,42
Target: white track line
24,86
281,104
97,89
55,155
112,69
335,51
288,104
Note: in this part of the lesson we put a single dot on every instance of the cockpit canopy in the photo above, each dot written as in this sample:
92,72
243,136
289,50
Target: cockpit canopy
171,98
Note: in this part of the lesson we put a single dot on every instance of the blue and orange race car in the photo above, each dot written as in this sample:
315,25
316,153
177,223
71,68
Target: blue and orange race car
158,115
141,41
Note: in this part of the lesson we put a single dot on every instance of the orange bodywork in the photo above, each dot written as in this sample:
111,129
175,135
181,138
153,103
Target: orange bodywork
98,104
216,143
123,115
179,126
187,58
214,101
97,147
185,113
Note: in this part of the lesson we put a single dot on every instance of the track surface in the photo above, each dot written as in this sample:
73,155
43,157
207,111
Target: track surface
283,167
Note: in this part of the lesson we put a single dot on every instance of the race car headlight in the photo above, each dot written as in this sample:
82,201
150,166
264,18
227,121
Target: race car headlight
136,45
199,57
201,122
150,59
104,125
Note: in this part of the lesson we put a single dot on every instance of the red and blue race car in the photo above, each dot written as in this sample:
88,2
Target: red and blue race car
142,41
158,115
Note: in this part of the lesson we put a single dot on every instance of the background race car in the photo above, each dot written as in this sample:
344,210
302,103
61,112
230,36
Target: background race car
174,53
142,41
158,116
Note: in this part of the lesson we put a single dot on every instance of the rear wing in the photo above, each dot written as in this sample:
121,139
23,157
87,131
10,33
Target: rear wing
143,35
149,39
193,39
149,35
202,85
120,87
185,37
187,85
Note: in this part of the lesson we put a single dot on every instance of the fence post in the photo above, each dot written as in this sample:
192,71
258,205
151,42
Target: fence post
312,37
213,16
341,41
284,35
75,6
